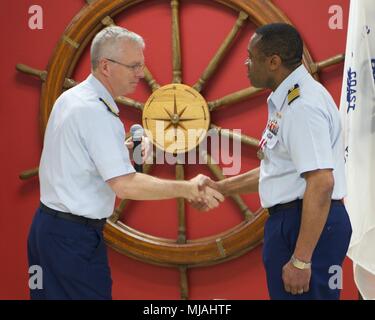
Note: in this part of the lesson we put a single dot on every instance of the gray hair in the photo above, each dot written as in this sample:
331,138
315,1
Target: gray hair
106,43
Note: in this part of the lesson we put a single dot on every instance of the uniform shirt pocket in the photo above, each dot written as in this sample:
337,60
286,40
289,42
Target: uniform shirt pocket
271,140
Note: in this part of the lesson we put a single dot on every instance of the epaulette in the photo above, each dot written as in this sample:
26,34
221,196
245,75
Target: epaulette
293,94
109,108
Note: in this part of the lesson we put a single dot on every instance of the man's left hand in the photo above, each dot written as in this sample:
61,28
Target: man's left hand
296,281
146,147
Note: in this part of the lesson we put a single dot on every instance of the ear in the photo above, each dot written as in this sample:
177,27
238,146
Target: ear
104,67
275,62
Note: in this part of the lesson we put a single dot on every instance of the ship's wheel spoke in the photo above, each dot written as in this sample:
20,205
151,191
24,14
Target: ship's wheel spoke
176,48
218,57
130,103
244,94
217,172
150,79
234,97
184,283
180,175
70,83
181,239
319,66
27,174
245,139
117,213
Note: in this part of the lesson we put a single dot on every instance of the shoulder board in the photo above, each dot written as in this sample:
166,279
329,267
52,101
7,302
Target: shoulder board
109,107
293,94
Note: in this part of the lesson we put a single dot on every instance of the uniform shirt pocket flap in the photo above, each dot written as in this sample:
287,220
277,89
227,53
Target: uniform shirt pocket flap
271,143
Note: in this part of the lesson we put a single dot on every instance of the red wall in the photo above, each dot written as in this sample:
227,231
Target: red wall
204,25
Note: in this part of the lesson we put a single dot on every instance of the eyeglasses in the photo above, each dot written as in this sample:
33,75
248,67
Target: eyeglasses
134,67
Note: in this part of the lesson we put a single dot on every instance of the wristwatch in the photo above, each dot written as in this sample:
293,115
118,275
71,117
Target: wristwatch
300,264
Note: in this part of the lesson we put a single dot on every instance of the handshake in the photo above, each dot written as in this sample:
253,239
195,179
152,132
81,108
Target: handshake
204,193
201,192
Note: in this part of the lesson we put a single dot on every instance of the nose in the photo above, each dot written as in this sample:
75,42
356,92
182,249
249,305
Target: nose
140,73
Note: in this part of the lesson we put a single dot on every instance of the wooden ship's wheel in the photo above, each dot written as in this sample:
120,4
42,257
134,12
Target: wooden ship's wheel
181,253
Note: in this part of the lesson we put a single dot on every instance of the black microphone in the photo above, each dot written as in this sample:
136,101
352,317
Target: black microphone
136,132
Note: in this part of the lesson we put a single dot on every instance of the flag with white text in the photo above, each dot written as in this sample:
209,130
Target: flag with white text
357,110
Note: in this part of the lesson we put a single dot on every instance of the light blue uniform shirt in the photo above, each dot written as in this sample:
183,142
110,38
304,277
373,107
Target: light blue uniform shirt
308,137
83,147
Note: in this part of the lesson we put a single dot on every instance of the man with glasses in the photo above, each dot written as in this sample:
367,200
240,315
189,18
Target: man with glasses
134,67
84,165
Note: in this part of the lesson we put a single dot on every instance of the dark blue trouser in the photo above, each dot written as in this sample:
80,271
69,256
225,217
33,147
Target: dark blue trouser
280,237
73,258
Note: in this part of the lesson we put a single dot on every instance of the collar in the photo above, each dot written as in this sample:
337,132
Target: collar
102,92
278,96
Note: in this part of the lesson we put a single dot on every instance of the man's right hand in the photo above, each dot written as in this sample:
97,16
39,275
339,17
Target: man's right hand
204,195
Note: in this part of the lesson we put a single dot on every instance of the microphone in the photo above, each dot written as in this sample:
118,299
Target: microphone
136,132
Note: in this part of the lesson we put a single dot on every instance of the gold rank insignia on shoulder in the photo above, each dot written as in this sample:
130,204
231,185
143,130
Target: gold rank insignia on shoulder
293,94
109,108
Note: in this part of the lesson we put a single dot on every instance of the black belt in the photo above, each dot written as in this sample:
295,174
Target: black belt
97,223
294,204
